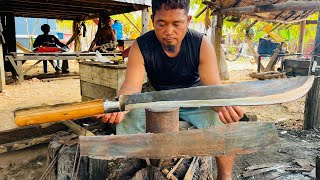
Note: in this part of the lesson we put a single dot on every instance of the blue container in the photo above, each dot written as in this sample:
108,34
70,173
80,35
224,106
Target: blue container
266,46
117,26
60,35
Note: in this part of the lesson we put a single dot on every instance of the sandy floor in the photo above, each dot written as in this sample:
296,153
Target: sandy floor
35,92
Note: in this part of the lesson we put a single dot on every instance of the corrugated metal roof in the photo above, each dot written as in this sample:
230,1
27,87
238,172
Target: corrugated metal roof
71,9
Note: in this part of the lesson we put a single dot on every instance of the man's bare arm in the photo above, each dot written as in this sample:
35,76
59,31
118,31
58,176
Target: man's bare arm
135,72
208,67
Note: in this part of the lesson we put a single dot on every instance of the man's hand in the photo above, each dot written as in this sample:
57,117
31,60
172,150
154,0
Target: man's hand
112,118
229,114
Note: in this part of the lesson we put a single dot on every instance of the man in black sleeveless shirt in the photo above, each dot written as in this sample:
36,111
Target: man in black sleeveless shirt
174,56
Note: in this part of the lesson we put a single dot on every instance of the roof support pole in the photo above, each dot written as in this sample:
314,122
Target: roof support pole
145,20
9,33
77,42
2,73
312,105
301,36
216,37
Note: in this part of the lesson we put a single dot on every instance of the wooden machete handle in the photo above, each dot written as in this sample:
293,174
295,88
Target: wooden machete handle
60,112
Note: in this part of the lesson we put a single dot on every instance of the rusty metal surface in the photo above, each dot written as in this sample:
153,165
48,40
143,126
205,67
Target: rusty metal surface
231,139
247,93
162,120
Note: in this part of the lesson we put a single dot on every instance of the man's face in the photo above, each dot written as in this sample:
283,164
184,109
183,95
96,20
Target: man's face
170,27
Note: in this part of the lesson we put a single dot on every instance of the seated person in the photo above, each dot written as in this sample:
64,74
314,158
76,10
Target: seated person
105,39
47,40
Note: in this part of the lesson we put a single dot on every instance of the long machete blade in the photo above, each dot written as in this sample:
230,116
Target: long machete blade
246,93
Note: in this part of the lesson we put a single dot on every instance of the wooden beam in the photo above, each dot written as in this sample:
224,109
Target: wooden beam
312,22
289,5
217,37
312,103
145,20
30,132
301,36
14,146
230,139
77,128
251,25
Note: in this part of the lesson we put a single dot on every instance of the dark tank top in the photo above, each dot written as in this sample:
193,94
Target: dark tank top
171,73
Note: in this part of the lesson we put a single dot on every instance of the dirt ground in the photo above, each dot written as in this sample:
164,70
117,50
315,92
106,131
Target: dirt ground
295,143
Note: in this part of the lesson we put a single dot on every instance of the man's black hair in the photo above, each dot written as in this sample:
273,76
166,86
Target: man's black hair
44,27
170,4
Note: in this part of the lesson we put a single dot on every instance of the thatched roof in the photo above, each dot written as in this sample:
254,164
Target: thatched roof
266,10
70,9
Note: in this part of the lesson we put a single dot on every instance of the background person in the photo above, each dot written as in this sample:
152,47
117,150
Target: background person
47,40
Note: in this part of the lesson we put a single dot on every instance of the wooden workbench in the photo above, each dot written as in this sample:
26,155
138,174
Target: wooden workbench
100,80
16,59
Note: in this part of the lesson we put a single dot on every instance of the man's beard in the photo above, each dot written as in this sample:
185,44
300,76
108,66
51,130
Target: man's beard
170,48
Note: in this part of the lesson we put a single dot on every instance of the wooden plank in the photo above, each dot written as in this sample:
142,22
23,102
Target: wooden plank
230,139
95,91
22,133
259,171
14,146
105,76
60,112
273,60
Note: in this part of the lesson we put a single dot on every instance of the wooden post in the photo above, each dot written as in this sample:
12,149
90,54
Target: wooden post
216,37
301,36
312,105
145,20
9,33
77,43
2,72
